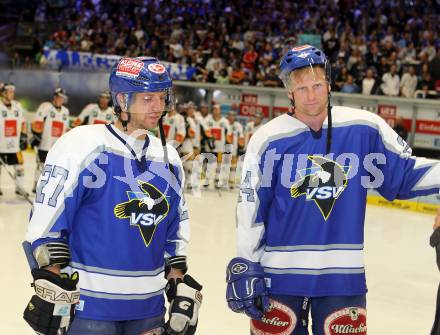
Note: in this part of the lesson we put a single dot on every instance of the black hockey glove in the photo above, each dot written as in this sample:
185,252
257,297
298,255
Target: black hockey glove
23,141
434,241
185,299
51,309
211,143
241,150
35,140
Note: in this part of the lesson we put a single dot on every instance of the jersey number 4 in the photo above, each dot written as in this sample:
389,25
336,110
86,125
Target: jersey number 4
50,175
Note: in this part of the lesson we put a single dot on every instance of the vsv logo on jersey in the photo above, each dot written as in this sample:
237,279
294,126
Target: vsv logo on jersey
145,210
323,183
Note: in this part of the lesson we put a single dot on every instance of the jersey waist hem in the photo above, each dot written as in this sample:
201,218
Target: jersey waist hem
88,316
318,293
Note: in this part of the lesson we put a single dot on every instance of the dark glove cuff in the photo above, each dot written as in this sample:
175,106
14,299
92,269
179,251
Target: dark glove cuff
435,238
176,262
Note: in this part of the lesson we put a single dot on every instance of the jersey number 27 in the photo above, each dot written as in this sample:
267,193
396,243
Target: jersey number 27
49,175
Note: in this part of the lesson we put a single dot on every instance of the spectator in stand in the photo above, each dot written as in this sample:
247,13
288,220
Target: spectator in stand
341,78
434,67
369,83
391,82
271,78
195,32
408,84
250,58
222,77
429,50
408,54
427,83
237,75
349,86
215,62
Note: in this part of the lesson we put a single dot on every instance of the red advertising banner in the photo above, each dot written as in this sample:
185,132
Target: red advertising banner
249,99
428,127
388,113
250,110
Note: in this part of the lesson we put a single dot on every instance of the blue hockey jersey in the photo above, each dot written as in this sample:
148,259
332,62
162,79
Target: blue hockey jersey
122,212
301,212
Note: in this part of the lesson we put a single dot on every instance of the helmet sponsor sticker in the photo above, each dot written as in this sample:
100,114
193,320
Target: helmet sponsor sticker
129,68
156,68
279,320
349,320
301,47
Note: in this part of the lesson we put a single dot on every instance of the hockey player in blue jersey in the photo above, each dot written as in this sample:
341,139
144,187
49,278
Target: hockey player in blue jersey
109,227
301,210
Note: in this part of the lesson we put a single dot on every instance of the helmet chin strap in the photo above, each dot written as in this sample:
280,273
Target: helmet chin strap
329,125
125,122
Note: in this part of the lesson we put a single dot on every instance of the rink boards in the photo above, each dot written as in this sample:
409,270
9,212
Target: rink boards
426,204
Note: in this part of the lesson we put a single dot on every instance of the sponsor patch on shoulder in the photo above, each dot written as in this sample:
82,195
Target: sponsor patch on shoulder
349,320
279,320
129,68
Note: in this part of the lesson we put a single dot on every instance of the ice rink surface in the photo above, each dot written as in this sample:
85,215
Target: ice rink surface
401,273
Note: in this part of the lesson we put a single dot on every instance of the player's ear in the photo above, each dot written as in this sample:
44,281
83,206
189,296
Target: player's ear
290,95
121,101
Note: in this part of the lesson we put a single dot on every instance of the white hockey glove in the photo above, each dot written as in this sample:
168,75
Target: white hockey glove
51,310
185,300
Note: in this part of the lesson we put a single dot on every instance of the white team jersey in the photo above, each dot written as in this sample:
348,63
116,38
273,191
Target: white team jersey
96,115
192,136
199,117
250,129
54,122
174,128
218,130
236,134
11,122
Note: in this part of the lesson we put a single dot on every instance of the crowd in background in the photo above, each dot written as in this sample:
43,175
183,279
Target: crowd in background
375,47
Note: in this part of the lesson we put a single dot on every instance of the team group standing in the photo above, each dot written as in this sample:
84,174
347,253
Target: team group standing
299,256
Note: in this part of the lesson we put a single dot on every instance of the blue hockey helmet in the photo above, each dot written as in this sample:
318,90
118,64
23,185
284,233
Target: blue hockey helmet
138,75
300,57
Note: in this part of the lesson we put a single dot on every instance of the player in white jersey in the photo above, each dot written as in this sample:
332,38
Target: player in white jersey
100,113
253,126
216,128
194,126
236,138
50,122
13,134
206,142
301,209
174,128
191,145
110,214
